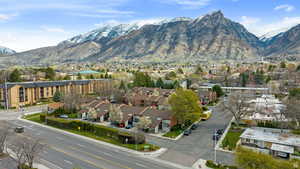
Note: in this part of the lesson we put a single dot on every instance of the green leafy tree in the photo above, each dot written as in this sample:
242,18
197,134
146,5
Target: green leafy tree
143,80
79,77
57,96
218,90
15,76
244,79
50,73
185,106
294,93
199,70
282,64
171,75
67,77
298,68
180,71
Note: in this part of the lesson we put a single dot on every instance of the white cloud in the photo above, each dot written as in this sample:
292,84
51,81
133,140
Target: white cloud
53,29
247,21
5,17
259,28
189,4
113,11
285,7
139,22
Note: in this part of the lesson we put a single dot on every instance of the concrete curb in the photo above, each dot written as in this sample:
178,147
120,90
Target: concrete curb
200,164
148,154
218,146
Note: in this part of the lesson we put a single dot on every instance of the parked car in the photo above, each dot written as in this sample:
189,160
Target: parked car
216,137
220,131
64,116
194,126
129,126
187,132
19,129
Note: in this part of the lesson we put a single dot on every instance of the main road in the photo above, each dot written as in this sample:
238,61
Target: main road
64,151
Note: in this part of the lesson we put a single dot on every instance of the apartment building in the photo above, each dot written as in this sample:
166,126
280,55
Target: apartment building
29,93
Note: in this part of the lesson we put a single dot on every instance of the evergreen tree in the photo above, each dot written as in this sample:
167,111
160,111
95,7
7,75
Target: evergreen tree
218,90
159,83
50,73
67,77
122,85
57,96
79,77
15,76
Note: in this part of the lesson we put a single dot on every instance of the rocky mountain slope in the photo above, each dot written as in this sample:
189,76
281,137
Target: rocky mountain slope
208,37
6,51
285,45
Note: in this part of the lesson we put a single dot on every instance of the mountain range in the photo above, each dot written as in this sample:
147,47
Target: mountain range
4,51
210,37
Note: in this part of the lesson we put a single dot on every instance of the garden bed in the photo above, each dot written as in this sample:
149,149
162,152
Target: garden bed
231,139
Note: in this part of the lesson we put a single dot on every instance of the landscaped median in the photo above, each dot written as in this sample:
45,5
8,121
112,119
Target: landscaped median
97,132
232,137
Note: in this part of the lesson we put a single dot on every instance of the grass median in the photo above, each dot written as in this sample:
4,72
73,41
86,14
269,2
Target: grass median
138,147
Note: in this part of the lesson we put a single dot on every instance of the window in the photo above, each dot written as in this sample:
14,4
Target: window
47,91
52,90
21,94
42,92
26,94
35,93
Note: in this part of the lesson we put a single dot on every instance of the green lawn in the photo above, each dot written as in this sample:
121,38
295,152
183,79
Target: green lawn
140,147
231,139
173,134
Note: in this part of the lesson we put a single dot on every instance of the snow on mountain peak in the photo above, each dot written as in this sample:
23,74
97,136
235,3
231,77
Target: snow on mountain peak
6,51
271,34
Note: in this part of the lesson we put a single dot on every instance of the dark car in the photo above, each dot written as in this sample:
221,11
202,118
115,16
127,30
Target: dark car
220,131
194,127
19,129
128,126
187,132
216,137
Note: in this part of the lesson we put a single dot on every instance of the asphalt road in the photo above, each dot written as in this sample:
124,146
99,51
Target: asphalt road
187,150
66,152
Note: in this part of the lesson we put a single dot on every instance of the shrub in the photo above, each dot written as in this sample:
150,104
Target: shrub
101,131
42,117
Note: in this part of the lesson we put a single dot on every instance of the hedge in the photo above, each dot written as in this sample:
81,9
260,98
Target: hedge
101,131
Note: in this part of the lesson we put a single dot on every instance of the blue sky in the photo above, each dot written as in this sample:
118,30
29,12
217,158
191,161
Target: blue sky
29,24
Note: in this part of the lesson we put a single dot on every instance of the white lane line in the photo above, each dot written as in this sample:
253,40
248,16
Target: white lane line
47,163
69,162
107,154
80,145
141,165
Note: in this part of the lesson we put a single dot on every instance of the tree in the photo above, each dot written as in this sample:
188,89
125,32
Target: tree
244,77
185,105
67,77
144,123
15,76
25,151
292,110
57,96
79,77
294,93
199,70
142,80
298,68
218,90
159,83
282,64
71,101
236,105
4,132
180,71
248,159
122,85
50,73
171,75
115,114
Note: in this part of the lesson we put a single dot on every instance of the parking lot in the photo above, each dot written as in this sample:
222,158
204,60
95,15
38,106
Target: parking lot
199,144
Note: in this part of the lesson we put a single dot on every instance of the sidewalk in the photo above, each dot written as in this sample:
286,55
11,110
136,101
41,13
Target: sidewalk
146,154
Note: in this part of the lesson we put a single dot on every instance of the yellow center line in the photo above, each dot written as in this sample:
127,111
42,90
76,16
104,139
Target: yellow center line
100,158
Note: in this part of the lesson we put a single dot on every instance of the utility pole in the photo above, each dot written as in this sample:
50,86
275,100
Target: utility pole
215,146
6,94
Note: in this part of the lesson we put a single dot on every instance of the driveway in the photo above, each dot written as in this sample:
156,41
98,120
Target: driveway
199,144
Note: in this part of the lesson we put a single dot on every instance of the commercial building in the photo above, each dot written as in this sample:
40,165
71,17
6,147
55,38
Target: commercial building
14,95
277,142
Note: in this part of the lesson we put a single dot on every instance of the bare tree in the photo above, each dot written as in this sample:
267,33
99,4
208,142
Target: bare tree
292,110
71,100
237,105
4,132
115,114
25,151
